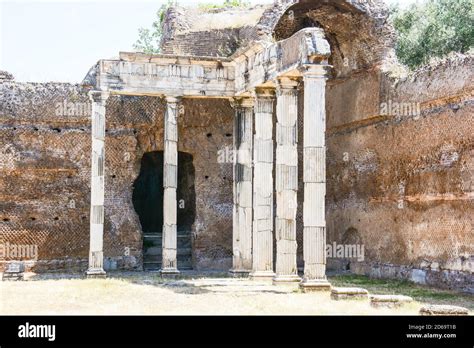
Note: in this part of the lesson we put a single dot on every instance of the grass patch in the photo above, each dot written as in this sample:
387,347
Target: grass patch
421,293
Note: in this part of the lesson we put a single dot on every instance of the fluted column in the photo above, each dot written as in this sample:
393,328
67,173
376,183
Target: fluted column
263,186
170,185
314,214
96,252
286,181
243,192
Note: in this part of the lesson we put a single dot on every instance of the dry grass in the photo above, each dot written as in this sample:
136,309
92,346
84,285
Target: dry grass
146,294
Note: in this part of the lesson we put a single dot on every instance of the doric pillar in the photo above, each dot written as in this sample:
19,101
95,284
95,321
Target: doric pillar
243,192
314,214
263,186
170,184
286,181
96,250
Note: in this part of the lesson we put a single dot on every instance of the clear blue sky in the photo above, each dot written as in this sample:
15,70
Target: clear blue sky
59,40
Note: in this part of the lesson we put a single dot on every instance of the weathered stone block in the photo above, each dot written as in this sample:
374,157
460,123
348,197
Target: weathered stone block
389,301
443,310
349,294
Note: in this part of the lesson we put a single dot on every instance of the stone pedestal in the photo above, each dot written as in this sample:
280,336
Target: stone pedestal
170,185
286,181
243,189
263,238
96,253
314,213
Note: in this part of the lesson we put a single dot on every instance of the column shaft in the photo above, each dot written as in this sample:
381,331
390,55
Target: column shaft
243,191
96,252
314,214
263,186
170,184
286,181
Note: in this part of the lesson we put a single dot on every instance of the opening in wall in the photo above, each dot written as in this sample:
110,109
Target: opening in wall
148,203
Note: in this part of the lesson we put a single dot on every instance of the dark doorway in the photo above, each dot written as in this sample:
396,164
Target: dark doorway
148,203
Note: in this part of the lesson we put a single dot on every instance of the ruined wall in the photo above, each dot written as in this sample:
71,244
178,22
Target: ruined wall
45,181
209,32
400,182
45,172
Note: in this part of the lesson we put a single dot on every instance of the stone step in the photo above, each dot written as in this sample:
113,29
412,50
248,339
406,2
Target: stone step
156,266
158,251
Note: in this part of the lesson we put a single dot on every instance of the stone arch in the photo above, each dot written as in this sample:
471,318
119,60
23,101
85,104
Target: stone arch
358,32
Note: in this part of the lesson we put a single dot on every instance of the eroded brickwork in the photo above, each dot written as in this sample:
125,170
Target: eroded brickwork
401,184
45,131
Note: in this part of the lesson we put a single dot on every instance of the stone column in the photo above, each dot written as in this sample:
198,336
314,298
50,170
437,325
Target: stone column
314,213
96,250
286,181
263,186
243,192
170,184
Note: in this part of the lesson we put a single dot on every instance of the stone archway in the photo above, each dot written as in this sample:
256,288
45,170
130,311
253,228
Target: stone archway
148,203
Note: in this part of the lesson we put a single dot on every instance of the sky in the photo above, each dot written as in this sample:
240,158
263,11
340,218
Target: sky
60,40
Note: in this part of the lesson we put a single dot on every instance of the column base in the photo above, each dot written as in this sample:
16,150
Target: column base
169,272
262,275
286,279
96,273
315,285
239,273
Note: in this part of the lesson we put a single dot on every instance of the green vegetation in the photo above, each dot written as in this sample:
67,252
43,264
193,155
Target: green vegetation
149,39
425,30
433,29
226,3
419,293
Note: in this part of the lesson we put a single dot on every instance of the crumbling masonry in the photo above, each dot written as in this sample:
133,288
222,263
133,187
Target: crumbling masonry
279,130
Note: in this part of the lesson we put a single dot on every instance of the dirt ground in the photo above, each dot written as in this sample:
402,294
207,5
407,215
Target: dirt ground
148,294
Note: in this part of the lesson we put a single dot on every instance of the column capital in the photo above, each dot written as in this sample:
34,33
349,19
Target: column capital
99,96
285,82
173,99
265,92
242,102
317,71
